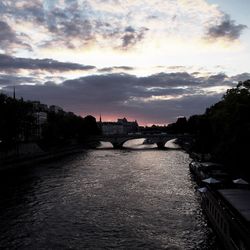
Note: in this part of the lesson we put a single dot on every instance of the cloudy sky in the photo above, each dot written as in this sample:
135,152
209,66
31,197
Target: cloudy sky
150,60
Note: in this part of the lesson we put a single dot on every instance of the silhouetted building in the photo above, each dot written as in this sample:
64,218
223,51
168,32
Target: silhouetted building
122,126
54,108
40,118
39,107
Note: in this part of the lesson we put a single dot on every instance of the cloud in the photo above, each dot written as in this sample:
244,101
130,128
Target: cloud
226,29
241,77
113,24
7,35
116,68
129,29
218,78
132,36
158,98
6,32
10,80
118,28
26,10
10,40
14,63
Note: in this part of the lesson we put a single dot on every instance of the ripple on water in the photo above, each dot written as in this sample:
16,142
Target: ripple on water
104,199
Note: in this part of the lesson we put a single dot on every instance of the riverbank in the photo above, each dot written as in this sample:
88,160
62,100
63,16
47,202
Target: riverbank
33,154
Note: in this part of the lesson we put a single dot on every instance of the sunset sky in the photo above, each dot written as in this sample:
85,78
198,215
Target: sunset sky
150,60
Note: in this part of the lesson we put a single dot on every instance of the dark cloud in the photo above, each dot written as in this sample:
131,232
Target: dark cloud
171,79
6,32
176,67
71,22
226,29
132,36
63,23
74,27
128,39
67,24
18,11
110,69
167,111
221,78
129,29
9,39
36,12
10,63
158,98
241,77
21,10
11,80
7,35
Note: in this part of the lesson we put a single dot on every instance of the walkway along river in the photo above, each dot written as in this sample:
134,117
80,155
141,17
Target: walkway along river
122,199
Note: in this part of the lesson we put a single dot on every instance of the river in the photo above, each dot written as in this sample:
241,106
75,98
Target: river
136,198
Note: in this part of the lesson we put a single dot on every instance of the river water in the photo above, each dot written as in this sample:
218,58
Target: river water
137,198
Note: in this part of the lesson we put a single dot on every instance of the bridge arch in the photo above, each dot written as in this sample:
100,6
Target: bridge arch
170,144
118,140
138,143
119,144
105,144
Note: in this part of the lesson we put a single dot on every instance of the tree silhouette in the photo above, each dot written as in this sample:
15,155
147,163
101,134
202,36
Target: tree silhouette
224,129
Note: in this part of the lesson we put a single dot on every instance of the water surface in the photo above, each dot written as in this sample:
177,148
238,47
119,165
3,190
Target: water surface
104,199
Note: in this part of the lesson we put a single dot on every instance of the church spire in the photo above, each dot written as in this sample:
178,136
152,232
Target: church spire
100,120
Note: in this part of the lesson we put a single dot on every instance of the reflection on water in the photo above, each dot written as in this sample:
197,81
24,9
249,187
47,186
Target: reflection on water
172,144
105,145
138,144
103,199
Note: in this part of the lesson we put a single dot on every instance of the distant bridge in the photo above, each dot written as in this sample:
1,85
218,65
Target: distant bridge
119,139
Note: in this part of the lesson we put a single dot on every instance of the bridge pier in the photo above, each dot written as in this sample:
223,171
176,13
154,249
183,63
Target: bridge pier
160,145
117,145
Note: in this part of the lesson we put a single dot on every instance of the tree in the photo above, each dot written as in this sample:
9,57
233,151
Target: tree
224,129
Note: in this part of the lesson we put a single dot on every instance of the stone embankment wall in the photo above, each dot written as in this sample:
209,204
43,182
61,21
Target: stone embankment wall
30,153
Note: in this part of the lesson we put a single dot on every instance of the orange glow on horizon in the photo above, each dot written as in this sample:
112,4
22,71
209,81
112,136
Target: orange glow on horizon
113,118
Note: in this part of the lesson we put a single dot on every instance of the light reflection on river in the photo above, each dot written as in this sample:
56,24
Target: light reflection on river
122,199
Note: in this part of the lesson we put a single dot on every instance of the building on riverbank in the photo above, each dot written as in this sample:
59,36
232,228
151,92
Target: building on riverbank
122,126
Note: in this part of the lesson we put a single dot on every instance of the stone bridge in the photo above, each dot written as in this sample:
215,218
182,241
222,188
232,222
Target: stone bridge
118,140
